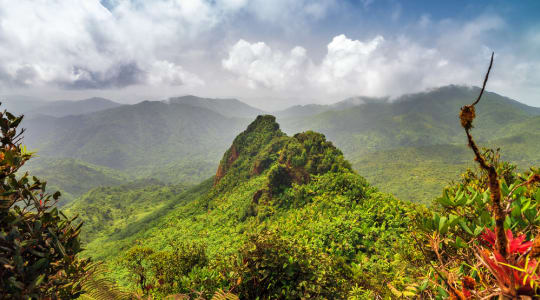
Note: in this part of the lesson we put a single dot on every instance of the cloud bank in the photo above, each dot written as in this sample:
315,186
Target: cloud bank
255,48
381,66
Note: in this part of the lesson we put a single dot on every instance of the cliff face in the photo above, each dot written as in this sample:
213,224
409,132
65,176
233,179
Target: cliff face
248,144
229,160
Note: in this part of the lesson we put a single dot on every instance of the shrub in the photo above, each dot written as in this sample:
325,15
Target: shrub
38,244
163,272
271,267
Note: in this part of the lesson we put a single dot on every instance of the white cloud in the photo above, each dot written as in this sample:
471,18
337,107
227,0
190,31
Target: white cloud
390,66
166,73
82,45
349,62
259,66
174,45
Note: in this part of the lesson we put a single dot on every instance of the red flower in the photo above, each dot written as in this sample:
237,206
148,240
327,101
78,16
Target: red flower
515,245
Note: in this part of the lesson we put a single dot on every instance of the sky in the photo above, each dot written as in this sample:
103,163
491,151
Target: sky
271,54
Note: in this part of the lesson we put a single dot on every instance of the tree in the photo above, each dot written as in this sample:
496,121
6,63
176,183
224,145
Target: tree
38,243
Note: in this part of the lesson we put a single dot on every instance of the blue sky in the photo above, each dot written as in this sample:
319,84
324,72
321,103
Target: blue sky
268,53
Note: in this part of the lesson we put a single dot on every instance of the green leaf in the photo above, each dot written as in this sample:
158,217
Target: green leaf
424,285
504,188
465,227
460,243
461,200
445,201
478,230
443,225
37,282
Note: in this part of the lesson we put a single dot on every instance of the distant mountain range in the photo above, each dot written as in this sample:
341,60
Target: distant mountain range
30,106
67,108
181,139
226,107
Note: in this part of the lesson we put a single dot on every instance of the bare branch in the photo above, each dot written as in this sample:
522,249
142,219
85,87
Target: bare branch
485,80
467,116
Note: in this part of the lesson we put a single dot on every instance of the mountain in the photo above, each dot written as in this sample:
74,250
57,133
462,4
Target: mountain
169,141
382,138
292,202
67,107
225,107
297,111
19,104
31,106
356,101
302,111
181,140
412,120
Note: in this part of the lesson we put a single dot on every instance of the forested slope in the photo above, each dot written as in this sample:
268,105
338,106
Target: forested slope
280,199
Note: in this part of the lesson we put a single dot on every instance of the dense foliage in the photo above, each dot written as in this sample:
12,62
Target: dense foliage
286,218
38,244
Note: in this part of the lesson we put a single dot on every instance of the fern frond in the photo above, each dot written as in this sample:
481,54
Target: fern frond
222,295
97,287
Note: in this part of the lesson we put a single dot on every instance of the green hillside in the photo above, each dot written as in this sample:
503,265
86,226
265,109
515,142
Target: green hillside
415,174
73,177
181,141
402,146
419,174
296,197
107,210
171,142
421,119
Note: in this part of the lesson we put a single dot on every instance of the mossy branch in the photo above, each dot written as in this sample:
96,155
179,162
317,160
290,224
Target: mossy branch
467,116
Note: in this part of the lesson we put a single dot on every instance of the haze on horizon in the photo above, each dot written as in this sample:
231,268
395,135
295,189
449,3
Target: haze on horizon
270,54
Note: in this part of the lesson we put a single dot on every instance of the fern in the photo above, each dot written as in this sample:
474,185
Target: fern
97,287
221,295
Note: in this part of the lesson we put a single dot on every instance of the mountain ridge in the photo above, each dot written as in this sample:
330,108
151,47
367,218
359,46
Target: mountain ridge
228,107
182,142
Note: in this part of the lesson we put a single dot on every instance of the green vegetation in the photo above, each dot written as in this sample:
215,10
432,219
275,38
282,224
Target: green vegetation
38,244
414,174
457,234
106,210
288,217
181,141
74,177
469,258
278,205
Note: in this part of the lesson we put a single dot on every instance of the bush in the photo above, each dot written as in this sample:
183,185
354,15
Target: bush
163,272
38,244
271,267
